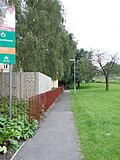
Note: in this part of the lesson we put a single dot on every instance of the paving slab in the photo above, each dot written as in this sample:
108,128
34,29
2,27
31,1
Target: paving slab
56,138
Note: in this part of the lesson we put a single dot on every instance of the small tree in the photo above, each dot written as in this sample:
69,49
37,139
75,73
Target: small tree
85,70
106,63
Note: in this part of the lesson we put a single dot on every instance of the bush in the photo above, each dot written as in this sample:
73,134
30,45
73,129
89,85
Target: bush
12,130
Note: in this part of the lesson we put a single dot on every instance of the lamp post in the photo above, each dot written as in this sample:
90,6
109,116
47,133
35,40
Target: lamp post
73,60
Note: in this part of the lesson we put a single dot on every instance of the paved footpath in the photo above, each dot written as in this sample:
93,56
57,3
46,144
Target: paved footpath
56,138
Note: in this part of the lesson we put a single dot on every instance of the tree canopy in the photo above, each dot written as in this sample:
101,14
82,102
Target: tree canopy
85,70
107,64
43,43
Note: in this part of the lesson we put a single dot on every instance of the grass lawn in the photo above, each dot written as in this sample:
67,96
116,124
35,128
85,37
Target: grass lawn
97,115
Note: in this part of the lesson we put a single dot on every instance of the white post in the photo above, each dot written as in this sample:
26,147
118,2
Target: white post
74,78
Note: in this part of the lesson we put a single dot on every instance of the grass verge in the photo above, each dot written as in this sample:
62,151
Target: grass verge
97,115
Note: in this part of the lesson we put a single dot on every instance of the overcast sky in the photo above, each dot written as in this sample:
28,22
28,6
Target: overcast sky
94,23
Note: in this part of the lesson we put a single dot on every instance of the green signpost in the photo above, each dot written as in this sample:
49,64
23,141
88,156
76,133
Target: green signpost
7,44
7,58
7,39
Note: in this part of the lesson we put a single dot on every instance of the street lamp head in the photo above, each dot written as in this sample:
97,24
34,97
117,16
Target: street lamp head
72,60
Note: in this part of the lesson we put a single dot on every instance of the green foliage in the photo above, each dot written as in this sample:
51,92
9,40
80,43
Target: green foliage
69,50
8,133
28,129
12,130
42,116
3,149
97,115
14,144
19,107
85,70
43,44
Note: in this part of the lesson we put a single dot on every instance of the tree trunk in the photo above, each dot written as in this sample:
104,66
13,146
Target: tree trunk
107,83
78,84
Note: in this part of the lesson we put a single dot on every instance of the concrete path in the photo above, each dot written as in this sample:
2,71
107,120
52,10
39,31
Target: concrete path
56,138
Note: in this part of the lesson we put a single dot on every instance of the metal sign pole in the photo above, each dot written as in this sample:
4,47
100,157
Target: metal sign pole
74,78
10,90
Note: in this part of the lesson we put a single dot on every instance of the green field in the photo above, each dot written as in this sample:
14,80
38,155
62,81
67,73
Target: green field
97,115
